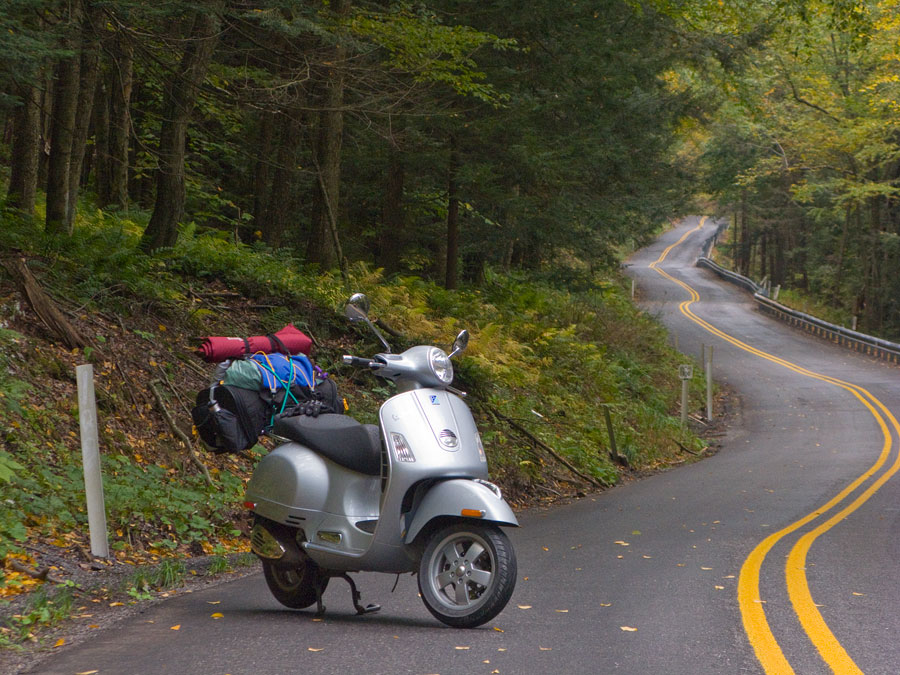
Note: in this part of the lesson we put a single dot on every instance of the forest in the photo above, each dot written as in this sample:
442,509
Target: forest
447,137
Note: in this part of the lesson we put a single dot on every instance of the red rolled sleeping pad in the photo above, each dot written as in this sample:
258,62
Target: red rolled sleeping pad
289,338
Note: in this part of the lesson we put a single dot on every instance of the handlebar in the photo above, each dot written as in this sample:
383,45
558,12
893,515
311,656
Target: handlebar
361,362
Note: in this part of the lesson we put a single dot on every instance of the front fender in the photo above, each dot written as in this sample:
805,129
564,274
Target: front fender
450,497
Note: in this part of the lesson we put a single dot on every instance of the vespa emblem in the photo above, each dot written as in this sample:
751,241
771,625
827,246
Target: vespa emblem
448,438
434,400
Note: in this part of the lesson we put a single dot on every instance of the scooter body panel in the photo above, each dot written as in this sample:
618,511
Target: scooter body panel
450,497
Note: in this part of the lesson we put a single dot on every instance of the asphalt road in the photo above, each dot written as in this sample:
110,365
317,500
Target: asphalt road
751,561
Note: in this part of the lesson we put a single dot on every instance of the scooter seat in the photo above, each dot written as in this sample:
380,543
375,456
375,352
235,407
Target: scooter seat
338,437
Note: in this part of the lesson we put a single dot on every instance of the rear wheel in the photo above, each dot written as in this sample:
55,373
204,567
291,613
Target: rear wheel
467,574
293,587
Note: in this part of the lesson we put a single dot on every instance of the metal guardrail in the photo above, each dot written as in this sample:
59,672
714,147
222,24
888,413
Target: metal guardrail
858,342
733,277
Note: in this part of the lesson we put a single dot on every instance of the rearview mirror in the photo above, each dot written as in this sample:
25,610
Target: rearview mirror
357,308
460,343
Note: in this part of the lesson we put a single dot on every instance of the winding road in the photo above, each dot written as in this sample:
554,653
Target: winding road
777,555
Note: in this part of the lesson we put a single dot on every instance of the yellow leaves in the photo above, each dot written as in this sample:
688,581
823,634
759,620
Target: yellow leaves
462,648
628,629
622,543
545,649
60,642
88,672
524,606
177,626
315,649
217,615
117,604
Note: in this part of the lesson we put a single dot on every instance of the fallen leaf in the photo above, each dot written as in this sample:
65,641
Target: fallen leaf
501,649
461,648
116,604
636,532
499,630
88,672
545,649
524,606
60,642
858,593
562,611
622,543
315,649
720,588
606,604
177,626
628,629
486,661
545,548
213,602
94,625
217,615
706,568
648,557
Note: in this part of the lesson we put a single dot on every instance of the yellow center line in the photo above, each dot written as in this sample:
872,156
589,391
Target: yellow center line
756,625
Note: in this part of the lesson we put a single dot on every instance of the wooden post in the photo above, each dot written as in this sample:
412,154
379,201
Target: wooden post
90,457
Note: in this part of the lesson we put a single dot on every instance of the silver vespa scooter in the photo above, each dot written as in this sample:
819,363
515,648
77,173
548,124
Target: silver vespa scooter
408,495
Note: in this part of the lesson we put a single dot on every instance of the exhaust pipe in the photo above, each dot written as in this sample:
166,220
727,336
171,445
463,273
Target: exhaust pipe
276,544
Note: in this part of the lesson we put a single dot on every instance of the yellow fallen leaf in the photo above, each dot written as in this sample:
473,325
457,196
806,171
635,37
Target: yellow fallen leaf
116,604
217,615
499,630
648,557
88,672
60,642
501,649
606,604
545,548
562,611
622,543
94,625
545,649
177,626
720,588
213,602
628,629
858,593
315,649
486,661
706,568
524,606
461,648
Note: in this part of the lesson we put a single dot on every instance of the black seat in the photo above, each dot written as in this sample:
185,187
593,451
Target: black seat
339,438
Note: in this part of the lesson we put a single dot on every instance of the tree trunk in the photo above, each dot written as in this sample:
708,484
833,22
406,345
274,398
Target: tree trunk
180,98
101,142
323,246
280,211
88,69
65,106
450,281
263,172
391,237
23,177
120,87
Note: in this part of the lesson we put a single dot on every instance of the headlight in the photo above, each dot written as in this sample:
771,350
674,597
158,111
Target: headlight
440,365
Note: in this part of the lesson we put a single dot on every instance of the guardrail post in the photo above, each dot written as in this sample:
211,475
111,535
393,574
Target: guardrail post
90,457
685,373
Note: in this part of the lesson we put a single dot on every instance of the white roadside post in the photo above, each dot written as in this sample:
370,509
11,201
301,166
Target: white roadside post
90,457
685,373
709,384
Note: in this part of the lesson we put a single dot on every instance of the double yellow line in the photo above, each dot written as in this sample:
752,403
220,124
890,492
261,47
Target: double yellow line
767,649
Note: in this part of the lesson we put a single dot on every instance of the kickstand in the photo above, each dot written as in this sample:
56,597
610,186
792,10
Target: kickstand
321,580
357,605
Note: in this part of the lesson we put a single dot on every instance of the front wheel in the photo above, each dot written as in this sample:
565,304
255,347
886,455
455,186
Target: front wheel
294,587
467,574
